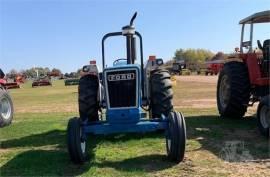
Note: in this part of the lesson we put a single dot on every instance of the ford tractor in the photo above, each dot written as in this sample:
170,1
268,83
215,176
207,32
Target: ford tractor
245,78
118,98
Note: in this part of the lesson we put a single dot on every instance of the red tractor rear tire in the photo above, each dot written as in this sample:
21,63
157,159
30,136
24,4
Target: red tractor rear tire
233,90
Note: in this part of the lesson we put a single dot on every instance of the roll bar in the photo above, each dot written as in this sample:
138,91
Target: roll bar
130,33
120,34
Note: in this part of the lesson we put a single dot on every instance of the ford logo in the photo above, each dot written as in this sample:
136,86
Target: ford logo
120,77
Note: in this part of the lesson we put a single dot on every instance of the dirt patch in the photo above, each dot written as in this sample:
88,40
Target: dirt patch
202,79
4,150
72,107
195,103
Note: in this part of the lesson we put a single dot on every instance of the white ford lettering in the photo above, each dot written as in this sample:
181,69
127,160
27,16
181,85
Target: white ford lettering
119,77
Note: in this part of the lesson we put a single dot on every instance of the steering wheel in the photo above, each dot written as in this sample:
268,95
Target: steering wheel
118,60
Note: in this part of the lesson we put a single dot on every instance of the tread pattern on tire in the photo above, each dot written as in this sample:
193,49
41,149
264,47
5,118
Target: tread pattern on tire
178,137
74,140
5,122
161,93
237,73
88,97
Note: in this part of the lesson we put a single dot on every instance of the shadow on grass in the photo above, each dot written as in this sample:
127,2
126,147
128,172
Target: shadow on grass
231,140
145,163
52,159
211,132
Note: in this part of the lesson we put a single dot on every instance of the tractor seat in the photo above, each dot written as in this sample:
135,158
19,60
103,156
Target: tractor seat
266,50
265,65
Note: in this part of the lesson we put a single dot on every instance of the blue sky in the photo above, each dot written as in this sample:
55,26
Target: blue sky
66,34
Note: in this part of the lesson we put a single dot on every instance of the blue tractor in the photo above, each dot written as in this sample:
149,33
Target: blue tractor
124,93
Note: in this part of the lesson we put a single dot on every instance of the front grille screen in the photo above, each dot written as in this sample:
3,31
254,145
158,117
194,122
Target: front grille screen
121,88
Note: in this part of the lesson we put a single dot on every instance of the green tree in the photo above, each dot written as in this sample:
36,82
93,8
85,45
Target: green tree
193,57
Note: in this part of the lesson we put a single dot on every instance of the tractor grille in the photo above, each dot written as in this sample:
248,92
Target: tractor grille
121,87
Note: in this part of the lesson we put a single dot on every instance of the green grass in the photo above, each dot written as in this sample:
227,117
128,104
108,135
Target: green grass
35,143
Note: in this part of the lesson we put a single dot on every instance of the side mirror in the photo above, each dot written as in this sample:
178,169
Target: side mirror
259,44
85,68
159,61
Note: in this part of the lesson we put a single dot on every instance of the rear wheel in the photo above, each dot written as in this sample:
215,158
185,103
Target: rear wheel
263,116
176,137
161,93
88,97
6,108
233,90
76,142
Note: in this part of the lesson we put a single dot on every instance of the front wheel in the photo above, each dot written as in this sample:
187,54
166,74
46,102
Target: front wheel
176,137
76,142
263,116
6,108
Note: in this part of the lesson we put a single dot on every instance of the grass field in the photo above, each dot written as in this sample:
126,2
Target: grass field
35,143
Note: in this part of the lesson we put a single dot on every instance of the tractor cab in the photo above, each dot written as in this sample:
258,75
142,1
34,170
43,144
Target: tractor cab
263,54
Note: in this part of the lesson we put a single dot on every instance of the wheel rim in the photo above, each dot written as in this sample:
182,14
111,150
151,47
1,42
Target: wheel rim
83,144
224,91
5,108
265,117
169,139
169,143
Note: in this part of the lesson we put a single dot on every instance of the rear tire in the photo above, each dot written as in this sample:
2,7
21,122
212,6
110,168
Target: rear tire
176,137
161,93
77,147
6,108
88,97
263,116
233,90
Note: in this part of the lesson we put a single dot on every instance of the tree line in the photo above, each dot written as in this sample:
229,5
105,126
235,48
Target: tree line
34,72
193,58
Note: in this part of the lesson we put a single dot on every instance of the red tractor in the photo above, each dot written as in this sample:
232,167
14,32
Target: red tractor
245,78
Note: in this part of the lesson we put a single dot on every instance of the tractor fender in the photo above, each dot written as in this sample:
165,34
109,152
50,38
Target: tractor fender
236,59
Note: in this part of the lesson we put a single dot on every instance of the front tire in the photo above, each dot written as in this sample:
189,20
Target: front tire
161,93
176,137
233,90
6,108
263,116
77,146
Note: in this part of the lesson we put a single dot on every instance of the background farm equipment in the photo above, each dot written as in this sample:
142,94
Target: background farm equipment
126,91
214,67
6,83
74,81
42,81
177,67
245,78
